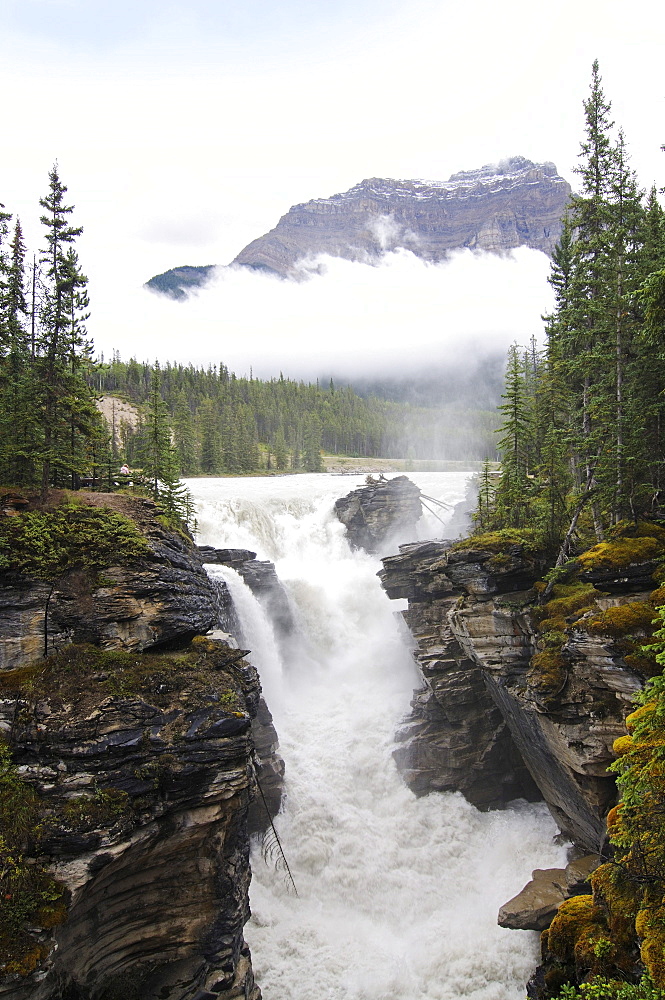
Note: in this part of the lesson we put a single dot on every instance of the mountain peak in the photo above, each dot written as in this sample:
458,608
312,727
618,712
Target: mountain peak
493,208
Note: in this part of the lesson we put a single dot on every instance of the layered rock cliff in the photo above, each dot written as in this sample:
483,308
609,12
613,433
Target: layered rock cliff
471,611
161,594
495,208
133,758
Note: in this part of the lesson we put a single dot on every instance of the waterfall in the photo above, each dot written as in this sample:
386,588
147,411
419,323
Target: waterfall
397,895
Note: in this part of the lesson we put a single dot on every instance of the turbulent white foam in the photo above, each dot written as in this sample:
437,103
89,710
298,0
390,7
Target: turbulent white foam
398,895
255,623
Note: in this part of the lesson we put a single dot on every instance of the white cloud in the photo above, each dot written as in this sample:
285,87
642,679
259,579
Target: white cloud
185,138
353,319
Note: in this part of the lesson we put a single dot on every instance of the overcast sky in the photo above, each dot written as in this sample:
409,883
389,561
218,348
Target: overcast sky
183,134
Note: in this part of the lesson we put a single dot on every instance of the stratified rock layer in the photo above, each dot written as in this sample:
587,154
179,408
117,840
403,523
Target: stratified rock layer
260,577
158,888
373,513
163,596
455,738
477,603
496,208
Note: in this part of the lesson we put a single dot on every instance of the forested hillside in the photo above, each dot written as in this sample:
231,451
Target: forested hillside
193,420
222,423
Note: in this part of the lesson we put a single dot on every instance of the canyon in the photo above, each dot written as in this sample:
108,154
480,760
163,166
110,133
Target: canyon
145,739
139,742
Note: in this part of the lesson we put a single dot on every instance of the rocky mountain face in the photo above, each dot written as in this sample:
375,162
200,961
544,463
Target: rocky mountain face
383,508
470,611
140,752
495,208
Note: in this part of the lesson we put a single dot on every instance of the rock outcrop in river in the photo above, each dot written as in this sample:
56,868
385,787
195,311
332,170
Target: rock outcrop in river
260,577
383,508
135,756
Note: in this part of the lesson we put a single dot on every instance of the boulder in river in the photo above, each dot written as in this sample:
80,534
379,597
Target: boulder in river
383,508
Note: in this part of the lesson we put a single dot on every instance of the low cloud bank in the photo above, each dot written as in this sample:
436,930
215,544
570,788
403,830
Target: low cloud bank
396,319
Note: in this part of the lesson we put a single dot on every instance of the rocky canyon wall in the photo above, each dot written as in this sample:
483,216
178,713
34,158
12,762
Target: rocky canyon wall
484,712
135,745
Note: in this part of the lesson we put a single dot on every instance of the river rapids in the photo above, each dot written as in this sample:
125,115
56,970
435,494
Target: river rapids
397,895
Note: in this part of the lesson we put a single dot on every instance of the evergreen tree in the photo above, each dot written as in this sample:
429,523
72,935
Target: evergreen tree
65,401
486,499
156,451
15,309
184,433
18,423
513,490
312,460
211,443
280,449
582,428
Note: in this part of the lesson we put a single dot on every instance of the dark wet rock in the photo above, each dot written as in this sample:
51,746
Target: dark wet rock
159,886
455,738
383,508
269,771
629,579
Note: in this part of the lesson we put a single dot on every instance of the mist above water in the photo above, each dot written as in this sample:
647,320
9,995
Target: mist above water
397,895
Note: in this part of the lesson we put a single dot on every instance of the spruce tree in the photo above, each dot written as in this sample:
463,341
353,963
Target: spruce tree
185,436
513,490
211,441
18,418
64,399
312,460
156,453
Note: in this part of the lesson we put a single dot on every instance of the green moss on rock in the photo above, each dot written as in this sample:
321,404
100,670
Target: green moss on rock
630,544
46,543
499,541
625,619
29,895
87,674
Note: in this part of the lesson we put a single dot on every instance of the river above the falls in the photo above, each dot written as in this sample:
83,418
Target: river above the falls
397,895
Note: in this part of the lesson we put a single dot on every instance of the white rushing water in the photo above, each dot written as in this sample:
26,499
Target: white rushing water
397,895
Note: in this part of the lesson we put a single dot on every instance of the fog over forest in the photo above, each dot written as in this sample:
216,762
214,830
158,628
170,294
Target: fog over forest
354,322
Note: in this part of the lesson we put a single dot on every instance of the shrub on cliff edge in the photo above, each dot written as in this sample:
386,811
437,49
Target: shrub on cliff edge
45,544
